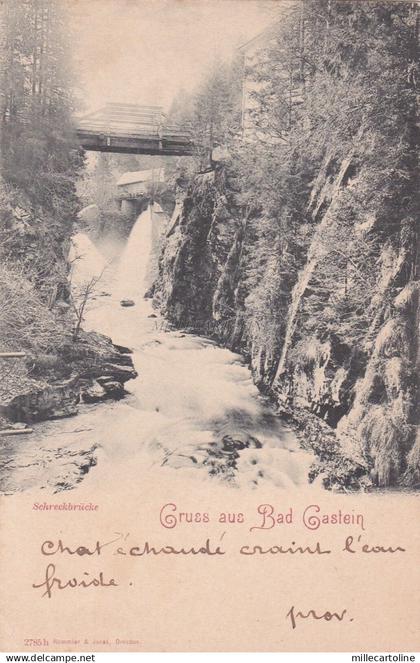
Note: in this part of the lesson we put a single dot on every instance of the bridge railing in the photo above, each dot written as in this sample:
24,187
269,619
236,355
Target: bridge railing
146,125
98,127
125,129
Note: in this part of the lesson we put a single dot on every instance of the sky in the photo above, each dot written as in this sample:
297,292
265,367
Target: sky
144,51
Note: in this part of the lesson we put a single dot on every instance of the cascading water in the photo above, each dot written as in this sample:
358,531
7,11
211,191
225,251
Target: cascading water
193,409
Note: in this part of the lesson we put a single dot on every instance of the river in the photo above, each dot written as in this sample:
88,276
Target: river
193,409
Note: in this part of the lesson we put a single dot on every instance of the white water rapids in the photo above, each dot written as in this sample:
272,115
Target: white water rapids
193,408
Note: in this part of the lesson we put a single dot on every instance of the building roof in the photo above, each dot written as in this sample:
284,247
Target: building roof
154,175
261,38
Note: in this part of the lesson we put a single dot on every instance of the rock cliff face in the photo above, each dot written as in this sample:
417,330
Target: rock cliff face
336,343
196,257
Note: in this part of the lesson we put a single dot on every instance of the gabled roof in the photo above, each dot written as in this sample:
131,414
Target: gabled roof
154,175
261,38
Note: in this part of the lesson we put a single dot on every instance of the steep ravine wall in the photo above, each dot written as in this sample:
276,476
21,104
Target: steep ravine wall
335,344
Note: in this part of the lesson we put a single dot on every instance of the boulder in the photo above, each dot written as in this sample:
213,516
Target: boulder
117,372
103,388
127,302
123,349
61,413
42,401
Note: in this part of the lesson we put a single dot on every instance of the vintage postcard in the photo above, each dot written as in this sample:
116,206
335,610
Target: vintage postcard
209,326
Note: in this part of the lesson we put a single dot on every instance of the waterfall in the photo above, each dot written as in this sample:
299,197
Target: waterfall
132,272
86,261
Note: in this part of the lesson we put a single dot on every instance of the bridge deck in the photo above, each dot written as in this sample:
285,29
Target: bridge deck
132,129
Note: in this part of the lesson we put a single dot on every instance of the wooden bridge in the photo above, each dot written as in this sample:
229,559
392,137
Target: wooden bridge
132,129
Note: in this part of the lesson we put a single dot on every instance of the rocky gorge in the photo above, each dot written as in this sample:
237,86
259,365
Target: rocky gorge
298,247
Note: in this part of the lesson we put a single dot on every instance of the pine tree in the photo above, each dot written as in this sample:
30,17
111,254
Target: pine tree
212,112
38,154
